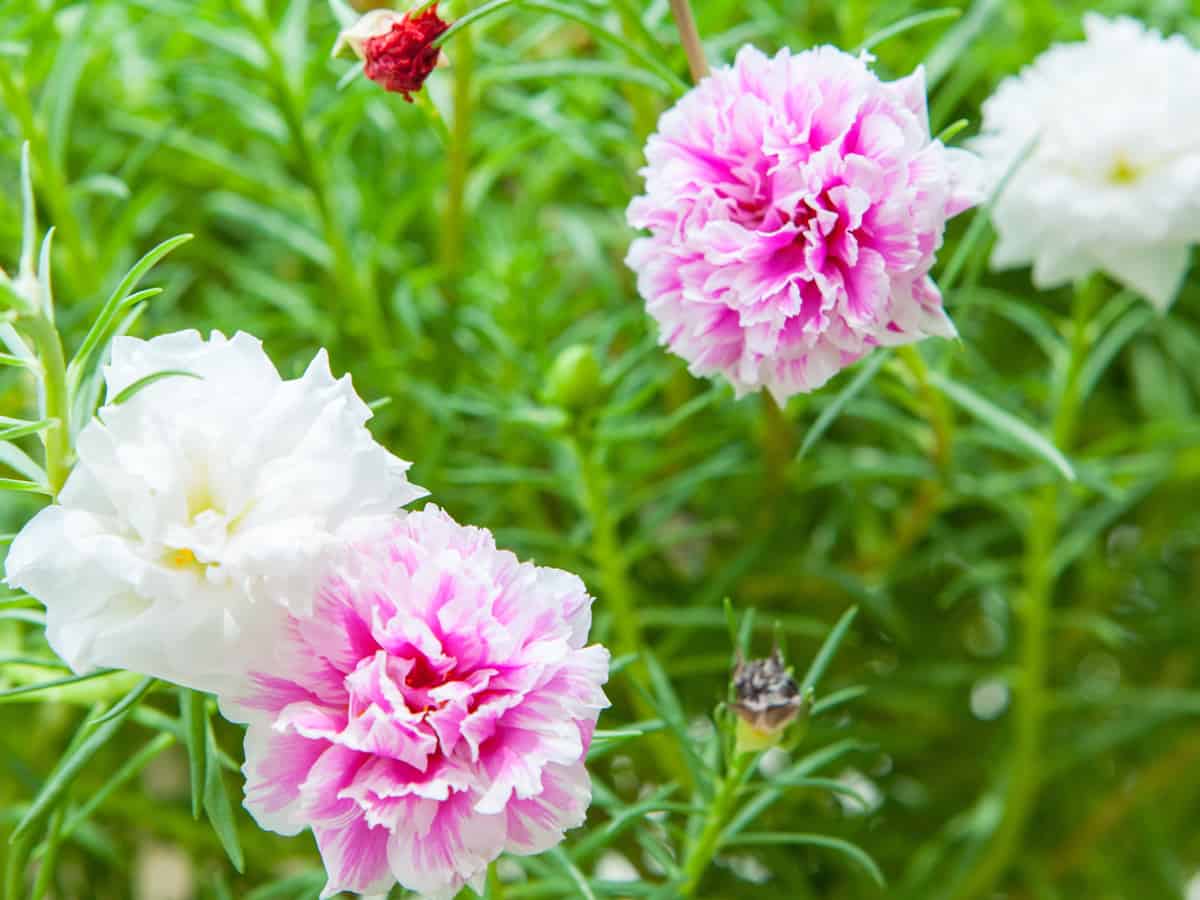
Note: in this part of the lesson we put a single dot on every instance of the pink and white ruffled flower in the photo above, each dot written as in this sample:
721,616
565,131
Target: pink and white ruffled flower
795,204
435,713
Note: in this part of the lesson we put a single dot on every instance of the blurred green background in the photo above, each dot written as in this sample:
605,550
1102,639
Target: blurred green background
446,261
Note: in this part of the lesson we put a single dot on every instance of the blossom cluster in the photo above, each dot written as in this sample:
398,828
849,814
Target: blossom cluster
202,510
794,204
419,698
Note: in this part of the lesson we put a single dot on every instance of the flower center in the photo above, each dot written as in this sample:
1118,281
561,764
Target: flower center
422,676
1123,172
182,558
198,543
200,499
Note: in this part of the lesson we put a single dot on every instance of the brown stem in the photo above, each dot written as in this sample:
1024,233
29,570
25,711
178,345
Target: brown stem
1159,776
689,36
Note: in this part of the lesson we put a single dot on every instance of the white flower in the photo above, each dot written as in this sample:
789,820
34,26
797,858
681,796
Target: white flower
202,509
1112,182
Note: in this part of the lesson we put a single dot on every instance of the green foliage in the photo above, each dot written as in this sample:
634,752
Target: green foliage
1013,515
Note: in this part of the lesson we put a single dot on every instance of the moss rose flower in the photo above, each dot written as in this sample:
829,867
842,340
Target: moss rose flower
1110,182
202,510
794,206
435,713
396,49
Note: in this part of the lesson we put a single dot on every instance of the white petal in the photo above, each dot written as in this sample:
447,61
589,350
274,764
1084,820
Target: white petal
372,24
1054,266
1155,272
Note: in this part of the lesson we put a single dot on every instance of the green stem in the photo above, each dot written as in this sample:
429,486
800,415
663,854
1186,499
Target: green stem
618,595
56,439
779,447
935,409
132,767
458,162
916,519
1025,767
14,869
779,438
607,553
701,853
1088,297
643,106
46,868
371,326
1026,771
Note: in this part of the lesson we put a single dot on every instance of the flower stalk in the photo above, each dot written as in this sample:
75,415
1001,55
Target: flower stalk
56,402
689,37
764,701
915,520
936,412
371,326
701,853
34,309
47,866
14,869
458,161
779,448
1027,769
607,553
643,106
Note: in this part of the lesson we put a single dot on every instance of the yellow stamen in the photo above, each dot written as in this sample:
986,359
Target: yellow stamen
1123,172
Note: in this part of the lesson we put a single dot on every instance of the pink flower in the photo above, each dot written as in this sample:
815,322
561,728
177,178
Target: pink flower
794,205
436,711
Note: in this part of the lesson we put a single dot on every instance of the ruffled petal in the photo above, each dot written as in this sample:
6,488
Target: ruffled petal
788,201
436,709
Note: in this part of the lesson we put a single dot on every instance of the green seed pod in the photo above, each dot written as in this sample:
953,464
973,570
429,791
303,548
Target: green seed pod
574,380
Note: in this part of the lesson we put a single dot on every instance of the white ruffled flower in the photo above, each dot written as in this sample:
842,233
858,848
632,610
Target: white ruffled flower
1112,182
202,509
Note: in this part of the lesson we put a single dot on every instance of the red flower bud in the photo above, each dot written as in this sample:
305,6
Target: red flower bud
397,50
